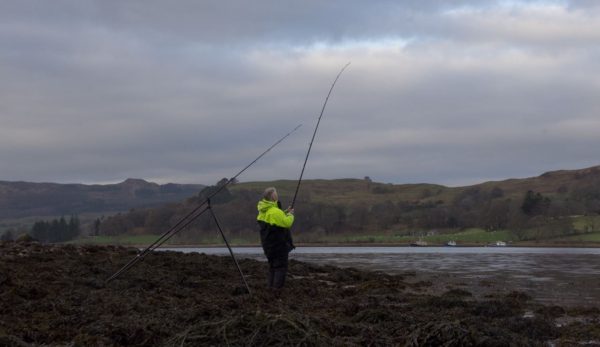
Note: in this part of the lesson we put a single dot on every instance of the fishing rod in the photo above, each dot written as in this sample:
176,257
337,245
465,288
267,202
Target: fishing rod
155,245
315,133
192,215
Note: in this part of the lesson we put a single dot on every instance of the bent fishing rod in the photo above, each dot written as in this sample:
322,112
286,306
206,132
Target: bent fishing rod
315,133
192,215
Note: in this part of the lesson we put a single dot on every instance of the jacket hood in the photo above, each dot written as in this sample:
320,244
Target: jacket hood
264,205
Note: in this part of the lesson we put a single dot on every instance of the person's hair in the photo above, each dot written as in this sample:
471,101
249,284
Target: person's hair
268,194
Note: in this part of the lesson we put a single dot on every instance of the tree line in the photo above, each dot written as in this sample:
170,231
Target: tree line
56,230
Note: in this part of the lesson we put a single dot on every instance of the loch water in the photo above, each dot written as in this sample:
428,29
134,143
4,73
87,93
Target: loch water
554,276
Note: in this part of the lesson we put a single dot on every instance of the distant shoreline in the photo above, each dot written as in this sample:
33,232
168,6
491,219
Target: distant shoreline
520,245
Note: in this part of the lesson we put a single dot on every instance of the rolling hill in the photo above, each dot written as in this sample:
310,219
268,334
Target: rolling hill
26,199
546,206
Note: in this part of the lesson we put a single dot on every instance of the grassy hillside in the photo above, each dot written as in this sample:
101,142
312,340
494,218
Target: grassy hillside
554,206
560,184
347,191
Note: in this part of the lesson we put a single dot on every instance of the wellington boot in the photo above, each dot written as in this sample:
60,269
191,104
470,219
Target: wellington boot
270,278
279,278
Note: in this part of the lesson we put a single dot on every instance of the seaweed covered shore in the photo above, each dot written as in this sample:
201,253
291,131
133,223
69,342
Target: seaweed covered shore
56,295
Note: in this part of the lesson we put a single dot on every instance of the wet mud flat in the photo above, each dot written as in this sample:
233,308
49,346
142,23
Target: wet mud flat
56,295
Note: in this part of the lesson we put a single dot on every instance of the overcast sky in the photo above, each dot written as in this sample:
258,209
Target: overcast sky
438,91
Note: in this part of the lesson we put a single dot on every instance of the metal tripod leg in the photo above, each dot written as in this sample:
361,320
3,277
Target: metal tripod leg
229,247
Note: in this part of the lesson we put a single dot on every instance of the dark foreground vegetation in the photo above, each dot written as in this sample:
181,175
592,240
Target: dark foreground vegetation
56,295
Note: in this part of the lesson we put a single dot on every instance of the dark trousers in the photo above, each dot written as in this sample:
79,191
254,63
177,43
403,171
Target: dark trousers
278,266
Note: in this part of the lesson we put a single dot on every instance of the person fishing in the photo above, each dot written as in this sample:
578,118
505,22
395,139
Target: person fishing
275,236
275,224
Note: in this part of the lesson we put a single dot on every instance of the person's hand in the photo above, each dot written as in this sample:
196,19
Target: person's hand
289,210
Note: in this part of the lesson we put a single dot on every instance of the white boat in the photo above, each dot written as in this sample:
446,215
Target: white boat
500,244
451,243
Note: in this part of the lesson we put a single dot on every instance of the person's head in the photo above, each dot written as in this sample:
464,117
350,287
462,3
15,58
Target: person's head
270,194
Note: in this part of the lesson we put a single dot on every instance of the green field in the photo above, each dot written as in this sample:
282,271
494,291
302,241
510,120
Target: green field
591,237
472,236
468,236
586,223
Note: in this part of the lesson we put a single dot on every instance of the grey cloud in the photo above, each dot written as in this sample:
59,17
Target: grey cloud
234,21
99,91
585,4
